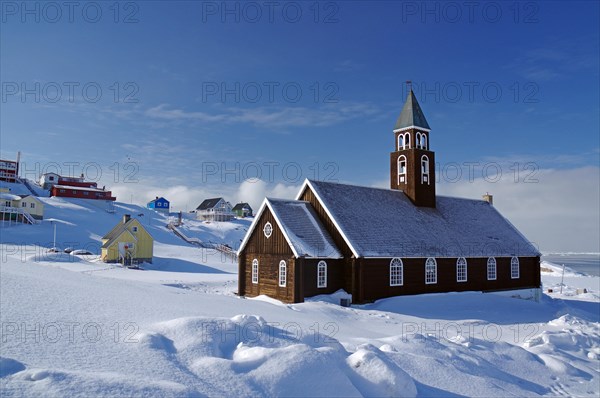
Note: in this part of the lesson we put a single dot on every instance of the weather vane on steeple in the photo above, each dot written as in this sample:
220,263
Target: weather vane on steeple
409,85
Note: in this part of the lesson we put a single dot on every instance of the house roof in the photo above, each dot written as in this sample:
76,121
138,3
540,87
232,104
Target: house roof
9,196
30,196
242,206
157,199
305,234
208,203
411,114
74,188
378,222
119,228
117,233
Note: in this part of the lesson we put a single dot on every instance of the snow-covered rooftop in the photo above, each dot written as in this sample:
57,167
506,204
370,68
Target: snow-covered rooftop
91,189
385,223
302,228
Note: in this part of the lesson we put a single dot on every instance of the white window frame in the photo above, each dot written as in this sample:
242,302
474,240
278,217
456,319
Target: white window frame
407,141
282,273
32,205
418,140
491,269
430,270
321,274
424,141
255,271
400,142
514,268
402,177
23,204
461,269
425,169
396,272
134,229
268,230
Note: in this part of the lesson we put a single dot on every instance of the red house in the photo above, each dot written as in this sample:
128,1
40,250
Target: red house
81,192
9,170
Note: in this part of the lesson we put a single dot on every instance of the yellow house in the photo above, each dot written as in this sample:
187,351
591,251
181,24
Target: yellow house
32,205
21,208
127,243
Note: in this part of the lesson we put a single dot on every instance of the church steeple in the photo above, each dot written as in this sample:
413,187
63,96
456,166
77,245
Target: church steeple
412,164
411,114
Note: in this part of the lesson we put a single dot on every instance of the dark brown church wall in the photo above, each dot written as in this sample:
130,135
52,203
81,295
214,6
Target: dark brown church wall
335,277
268,277
376,274
275,244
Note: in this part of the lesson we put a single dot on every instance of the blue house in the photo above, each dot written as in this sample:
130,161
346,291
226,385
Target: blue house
159,204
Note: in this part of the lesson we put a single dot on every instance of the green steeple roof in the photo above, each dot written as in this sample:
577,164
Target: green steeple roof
411,115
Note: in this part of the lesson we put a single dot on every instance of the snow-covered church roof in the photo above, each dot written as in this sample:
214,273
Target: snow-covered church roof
301,227
385,223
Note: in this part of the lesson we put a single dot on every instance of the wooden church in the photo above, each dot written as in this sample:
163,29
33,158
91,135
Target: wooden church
377,243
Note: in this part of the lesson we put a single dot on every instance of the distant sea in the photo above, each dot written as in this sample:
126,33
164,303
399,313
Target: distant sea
587,263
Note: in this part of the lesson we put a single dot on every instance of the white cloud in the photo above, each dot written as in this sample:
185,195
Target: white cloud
272,117
254,191
559,212
184,198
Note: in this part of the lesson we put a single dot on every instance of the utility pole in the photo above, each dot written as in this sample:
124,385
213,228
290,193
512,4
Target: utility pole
562,279
54,240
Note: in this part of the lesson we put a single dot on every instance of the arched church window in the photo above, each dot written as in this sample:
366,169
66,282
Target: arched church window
424,169
401,169
418,140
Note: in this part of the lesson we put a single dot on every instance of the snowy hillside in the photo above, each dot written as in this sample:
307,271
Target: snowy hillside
72,326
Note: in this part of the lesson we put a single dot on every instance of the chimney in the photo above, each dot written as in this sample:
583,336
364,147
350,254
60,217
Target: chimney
126,218
156,198
488,198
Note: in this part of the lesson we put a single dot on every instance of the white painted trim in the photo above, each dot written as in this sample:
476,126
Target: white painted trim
401,272
255,262
487,271
270,232
252,226
319,264
412,127
436,271
279,274
466,269
333,220
405,174
518,264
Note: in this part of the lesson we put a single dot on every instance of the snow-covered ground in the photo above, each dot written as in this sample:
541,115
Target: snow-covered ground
72,326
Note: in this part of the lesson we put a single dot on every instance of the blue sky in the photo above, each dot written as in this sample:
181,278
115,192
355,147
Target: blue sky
508,84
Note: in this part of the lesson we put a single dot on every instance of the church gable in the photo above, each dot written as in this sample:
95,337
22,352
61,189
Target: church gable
293,222
265,235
